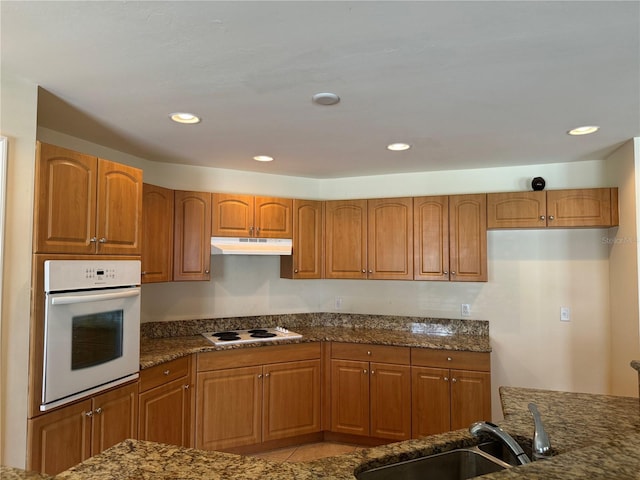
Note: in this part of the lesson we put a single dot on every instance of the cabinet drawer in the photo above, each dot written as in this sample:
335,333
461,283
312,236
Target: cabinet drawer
371,353
478,361
163,373
245,357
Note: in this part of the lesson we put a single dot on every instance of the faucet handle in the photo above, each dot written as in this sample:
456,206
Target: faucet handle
541,444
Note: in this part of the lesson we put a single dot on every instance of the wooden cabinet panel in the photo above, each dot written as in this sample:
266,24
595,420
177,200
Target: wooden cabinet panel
306,260
468,238
478,361
390,238
431,401
228,408
517,210
273,217
346,239
431,238
60,439
223,359
236,215
115,417
157,234
164,373
350,404
371,353
165,413
590,207
390,401
291,399
470,398
192,236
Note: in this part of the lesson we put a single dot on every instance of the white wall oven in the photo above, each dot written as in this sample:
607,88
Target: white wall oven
92,327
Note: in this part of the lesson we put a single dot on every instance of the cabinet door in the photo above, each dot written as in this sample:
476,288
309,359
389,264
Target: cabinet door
306,258
431,402
346,239
350,397
390,401
119,209
60,439
115,417
517,210
165,413
291,399
273,217
590,207
232,215
157,234
228,408
468,238
470,398
431,238
390,239
65,203
192,235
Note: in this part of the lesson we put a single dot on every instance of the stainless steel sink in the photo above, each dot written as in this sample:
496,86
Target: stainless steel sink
457,464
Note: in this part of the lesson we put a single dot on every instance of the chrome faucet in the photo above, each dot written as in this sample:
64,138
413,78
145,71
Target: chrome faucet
541,448
487,427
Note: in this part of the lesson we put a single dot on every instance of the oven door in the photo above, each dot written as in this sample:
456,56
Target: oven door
91,342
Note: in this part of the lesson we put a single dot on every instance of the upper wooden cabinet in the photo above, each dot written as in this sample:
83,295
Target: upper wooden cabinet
306,258
591,207
451,238
192,235
369,238
86,205
157,234
248,216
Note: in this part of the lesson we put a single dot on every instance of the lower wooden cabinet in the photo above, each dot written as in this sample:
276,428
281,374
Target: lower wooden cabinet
445,399
165,402
266,401
67,436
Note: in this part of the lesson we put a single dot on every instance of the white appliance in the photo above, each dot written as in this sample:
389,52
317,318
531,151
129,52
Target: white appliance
92,328
250,246
231,337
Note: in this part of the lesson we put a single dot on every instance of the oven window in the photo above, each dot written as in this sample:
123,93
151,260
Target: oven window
96,339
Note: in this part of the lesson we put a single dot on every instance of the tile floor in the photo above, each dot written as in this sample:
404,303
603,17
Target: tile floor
305,453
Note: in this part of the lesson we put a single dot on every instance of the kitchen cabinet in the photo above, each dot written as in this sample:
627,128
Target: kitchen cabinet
85,204
157,234
192,235
371,391
450,390
248,216
306,259
247,398
590,207
67,436
165,403
369,239
450,236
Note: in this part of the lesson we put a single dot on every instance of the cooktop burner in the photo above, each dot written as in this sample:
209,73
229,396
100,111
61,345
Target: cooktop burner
248,336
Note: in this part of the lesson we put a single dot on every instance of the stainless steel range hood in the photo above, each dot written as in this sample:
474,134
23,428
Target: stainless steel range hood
250,246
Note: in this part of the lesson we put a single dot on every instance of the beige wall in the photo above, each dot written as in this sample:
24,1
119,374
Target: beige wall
18,124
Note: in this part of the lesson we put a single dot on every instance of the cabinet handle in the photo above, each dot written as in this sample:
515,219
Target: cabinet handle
449,359
364,371
445,272
551,217
542,217
453,273
368,352
98,410
267,375
88,414
295,270
446,379
257,231
364,271
372,372
453,380
166,372
206,271
102,240
251,231
93,240
186,387
143,273
259,375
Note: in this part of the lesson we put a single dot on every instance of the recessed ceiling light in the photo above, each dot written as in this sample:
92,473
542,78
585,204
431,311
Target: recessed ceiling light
263,158
184,117
325,98
398,147
586,130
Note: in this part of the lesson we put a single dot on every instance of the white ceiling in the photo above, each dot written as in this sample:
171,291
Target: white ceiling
467,84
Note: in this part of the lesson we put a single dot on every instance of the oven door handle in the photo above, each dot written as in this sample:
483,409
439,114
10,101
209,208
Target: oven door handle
98,297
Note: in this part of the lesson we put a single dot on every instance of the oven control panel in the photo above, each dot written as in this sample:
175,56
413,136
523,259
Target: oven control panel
60,275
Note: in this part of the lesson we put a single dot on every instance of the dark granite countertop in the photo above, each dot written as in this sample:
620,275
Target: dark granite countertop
593,437
10,473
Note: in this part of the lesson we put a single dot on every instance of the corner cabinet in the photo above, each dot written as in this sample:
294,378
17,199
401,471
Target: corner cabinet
590,207
450,236
192,235
85,204
306,259
157,234
67,436
248,216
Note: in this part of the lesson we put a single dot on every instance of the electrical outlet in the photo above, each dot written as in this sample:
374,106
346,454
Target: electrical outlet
338,303
565,314
465,309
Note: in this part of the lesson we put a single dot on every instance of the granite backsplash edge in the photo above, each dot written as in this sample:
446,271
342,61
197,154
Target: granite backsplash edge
425,325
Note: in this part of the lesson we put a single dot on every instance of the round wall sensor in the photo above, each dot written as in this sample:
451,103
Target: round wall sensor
538,183
325,98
